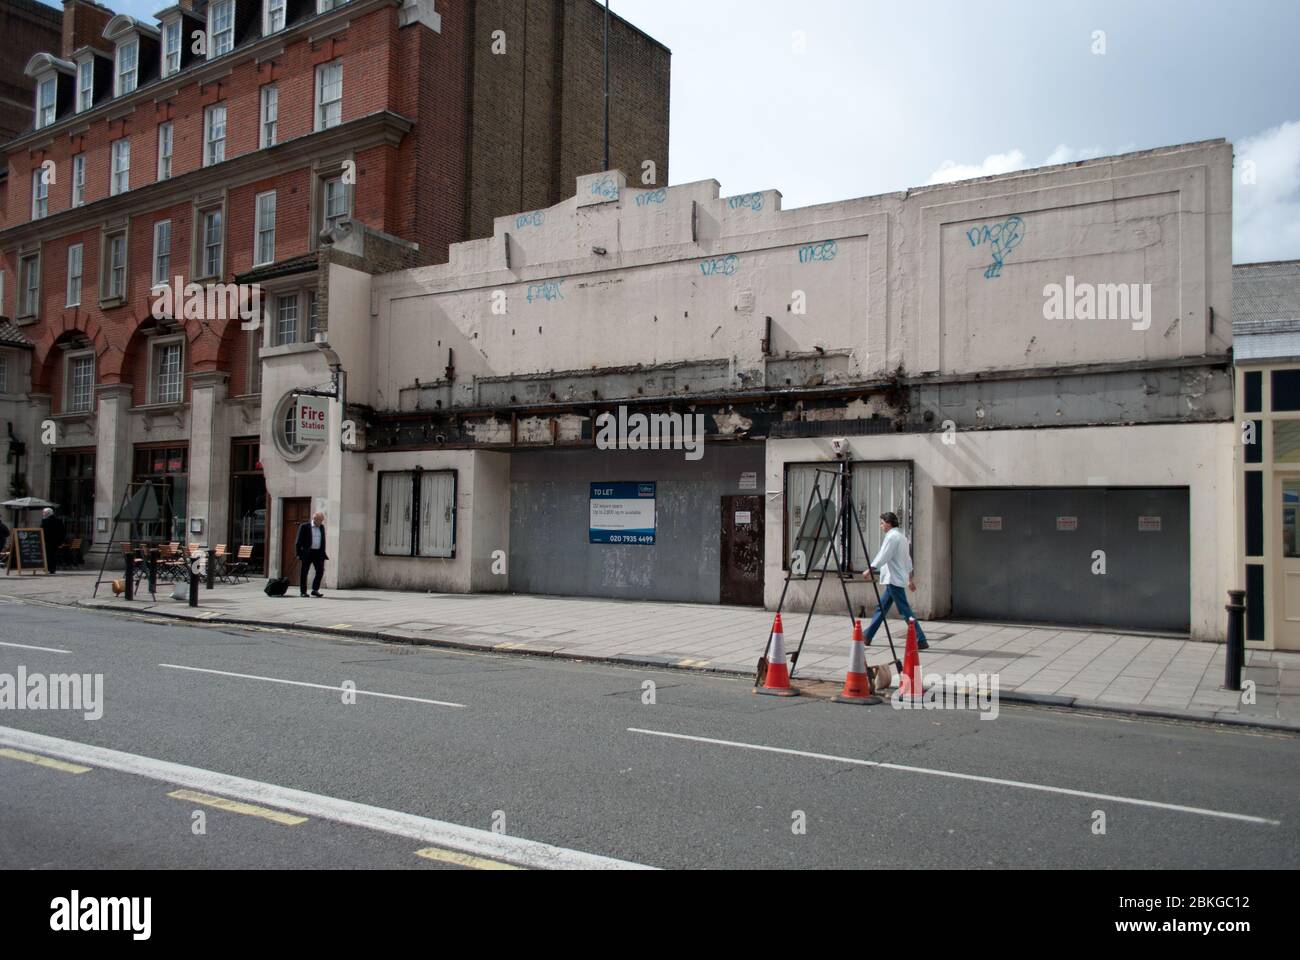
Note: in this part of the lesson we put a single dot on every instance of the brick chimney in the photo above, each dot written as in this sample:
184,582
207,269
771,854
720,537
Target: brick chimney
83,26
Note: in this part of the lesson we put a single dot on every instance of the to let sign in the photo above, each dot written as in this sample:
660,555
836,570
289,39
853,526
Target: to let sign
313,419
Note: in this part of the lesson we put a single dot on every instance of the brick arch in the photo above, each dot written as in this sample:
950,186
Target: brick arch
57,330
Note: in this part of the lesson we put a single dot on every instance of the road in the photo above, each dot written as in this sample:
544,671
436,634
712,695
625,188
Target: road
451,760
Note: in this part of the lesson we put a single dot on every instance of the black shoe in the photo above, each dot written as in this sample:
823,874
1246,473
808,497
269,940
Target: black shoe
922,645
317,593
302,594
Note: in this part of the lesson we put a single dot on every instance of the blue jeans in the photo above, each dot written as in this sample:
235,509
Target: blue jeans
893,595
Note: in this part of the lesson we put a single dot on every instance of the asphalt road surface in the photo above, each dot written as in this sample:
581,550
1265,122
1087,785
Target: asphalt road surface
235,748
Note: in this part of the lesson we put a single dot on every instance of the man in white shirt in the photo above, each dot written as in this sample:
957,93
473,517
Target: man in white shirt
893,563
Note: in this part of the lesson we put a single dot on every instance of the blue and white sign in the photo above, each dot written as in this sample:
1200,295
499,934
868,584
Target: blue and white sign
622,513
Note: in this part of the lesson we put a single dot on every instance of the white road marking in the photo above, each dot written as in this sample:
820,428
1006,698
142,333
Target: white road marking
478,843
1044,788
317,686
25,646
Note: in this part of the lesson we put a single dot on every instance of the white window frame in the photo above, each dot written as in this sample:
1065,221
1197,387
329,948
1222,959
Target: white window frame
170,27
28,293
201,245
125,81
324,6
85,83
279,301
40,194
313,315
71,361
325,217
156,346
269,115
47,113
214,134
269,9
120,178
109,289
228,34
78,197
165,137
261,229
162,252
73,298
323,109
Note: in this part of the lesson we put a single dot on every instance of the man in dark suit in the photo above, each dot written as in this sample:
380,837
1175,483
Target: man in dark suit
310,547
55,533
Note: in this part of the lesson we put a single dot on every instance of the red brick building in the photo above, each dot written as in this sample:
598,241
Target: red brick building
264,143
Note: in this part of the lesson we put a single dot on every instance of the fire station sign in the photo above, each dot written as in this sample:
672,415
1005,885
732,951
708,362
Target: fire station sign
313,419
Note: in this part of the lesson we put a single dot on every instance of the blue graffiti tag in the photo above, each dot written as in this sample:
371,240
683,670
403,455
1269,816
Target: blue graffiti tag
654,196
818,251
550,290
721,266
752,201
1002,238
605,187
534,219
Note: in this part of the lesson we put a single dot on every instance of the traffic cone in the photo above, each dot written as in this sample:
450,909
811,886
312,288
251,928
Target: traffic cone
776,680
909,684
857,688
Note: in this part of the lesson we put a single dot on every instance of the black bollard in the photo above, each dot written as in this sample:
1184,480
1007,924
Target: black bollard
153,572
194,582
130,576
212,569
1236,640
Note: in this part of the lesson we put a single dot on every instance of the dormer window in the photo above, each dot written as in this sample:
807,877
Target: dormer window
221,27
128,55
171,47
46,99
44,70
273,16
86,83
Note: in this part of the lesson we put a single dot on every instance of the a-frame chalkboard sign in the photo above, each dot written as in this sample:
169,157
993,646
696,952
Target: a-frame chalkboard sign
27,551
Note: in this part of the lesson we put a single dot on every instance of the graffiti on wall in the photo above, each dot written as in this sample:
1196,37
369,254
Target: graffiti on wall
720,266
1001,238
605,187
550,290
654,196
749,201
818,251
534,219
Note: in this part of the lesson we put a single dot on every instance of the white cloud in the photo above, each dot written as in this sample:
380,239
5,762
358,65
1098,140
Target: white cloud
993,164
1266,212
1067,154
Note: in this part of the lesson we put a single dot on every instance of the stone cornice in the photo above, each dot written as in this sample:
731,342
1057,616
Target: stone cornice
383,127
203,72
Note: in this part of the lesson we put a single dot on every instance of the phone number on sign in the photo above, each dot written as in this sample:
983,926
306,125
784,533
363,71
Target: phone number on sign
616,538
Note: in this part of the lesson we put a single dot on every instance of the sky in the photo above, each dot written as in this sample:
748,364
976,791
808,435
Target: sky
833,99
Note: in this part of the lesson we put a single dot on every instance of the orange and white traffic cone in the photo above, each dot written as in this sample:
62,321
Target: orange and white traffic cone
857,688
776,679
909,684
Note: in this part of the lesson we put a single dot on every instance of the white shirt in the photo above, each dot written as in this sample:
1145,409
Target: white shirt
894,561
315,537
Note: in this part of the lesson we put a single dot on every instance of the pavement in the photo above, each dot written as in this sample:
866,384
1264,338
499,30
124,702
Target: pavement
223,746
1141,674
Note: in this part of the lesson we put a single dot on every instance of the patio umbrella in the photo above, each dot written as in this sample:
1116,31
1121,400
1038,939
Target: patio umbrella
27,503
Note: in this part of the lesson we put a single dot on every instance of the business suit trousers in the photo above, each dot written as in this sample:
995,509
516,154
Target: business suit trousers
312,558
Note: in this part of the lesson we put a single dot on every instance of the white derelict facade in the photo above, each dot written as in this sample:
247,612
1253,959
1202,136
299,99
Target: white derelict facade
1033,370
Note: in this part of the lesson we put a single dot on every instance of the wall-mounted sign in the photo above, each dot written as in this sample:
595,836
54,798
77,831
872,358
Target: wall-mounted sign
622,513
1149,524
313,419
743,517
1067,523
749,480
992,523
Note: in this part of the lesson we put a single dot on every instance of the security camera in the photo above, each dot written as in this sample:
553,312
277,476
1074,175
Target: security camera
840,447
